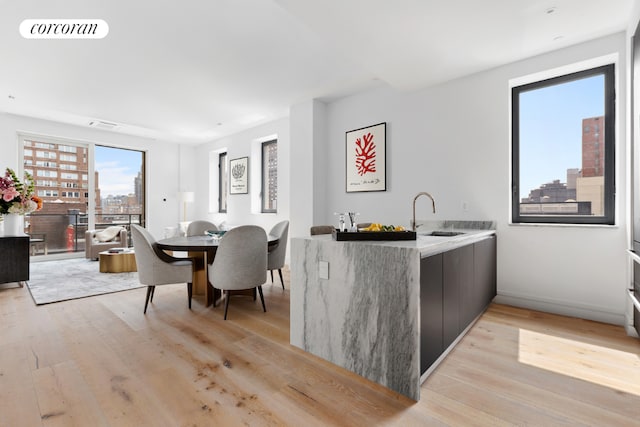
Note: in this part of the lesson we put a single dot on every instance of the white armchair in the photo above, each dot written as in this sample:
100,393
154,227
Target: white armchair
198,228
240,262
275,258
97,241
155,267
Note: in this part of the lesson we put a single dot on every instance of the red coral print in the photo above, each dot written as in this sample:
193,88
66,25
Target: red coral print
365,155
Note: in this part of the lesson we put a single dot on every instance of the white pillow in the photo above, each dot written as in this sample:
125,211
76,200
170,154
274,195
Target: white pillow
108,234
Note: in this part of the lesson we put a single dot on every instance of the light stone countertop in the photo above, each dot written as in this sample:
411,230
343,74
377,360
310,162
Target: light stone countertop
427,245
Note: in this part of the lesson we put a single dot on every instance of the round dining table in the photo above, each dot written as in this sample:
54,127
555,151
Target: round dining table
202,249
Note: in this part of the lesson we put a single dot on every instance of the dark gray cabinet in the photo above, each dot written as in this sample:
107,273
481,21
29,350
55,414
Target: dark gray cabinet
14,259
455,287
430,310
484,267
457,280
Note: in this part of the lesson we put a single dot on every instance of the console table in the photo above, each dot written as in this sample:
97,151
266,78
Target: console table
14,262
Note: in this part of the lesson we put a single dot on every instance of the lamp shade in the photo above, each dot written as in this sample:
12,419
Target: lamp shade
187,196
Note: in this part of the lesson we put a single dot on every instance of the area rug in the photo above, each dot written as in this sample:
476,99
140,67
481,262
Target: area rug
53,281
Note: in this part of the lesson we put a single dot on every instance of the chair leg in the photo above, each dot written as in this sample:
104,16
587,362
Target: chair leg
189,292
227,294
153,292
271,271
262,299
146,301
281,280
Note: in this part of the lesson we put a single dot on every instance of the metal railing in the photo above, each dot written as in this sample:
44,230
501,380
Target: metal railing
60,233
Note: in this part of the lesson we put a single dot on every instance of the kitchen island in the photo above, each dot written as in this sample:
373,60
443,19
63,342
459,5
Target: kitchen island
359,304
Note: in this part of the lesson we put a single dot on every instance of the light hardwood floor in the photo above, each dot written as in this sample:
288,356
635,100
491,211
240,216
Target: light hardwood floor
100,362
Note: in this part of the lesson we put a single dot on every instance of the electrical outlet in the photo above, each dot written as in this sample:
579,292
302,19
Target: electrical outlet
465,206
323,270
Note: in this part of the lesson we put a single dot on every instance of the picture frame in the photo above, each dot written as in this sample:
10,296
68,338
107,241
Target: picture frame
239,176
366,168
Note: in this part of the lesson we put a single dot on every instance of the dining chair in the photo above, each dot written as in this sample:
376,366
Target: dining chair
275,257
198,228
240,262
321,229
155,267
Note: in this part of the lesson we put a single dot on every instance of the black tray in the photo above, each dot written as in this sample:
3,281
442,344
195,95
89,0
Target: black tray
343,236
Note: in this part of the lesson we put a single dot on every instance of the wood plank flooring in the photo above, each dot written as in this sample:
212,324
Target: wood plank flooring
99,361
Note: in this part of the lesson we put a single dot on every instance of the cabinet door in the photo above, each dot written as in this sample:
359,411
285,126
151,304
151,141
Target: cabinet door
485,273
430,311
457,285
14,262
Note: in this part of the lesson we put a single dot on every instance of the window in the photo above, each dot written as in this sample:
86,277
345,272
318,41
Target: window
47,173
117,184
46,154
563,136
270,176
223,182
45,164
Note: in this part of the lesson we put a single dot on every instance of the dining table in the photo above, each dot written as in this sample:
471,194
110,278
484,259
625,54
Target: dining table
202,249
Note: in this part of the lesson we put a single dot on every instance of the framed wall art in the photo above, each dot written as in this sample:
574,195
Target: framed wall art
238,178
366,159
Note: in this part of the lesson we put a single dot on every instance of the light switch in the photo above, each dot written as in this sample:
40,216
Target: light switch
323,269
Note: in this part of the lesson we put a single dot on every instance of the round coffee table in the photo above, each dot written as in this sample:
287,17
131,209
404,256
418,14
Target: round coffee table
117,262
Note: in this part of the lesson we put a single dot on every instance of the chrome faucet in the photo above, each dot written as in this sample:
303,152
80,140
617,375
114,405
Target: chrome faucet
433,202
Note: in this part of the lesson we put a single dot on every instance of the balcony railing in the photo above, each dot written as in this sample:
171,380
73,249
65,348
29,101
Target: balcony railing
64,233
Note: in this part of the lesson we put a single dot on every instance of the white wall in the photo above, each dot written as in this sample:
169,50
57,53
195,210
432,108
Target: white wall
242,208
162,169
453,141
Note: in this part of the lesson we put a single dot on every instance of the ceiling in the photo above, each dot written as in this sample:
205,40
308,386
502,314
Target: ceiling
197,70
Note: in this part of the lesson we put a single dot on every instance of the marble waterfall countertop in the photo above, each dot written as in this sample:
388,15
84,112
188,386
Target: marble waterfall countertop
471,232
357,303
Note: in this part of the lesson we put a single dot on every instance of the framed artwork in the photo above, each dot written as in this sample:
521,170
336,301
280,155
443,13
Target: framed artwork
238,178
366,159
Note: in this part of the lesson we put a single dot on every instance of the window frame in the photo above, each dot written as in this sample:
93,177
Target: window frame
222,188
264,185
608,72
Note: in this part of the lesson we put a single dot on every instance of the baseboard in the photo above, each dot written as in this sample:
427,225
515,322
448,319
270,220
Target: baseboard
631,331
564,308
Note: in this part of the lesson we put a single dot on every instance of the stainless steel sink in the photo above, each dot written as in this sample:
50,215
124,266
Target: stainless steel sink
443,233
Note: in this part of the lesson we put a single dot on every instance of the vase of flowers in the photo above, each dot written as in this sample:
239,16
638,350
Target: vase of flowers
16,200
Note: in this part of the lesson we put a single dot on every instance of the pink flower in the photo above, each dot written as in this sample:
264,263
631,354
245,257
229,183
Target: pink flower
9,194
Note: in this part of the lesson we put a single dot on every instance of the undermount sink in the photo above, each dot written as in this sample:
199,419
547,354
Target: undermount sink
443,233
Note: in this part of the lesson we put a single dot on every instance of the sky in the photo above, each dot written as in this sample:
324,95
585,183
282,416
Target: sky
117,169
551,129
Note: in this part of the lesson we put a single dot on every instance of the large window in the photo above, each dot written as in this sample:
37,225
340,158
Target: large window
118,197
223,182
120,185
270,176
563,136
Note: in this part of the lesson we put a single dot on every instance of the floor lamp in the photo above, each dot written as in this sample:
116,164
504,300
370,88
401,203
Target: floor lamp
185,197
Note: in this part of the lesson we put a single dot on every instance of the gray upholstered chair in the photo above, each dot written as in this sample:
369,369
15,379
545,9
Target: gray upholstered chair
97,241
155,267
197,228
275,257
321,229
240,262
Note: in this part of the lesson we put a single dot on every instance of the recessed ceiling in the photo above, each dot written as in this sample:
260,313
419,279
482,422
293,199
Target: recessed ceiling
194,71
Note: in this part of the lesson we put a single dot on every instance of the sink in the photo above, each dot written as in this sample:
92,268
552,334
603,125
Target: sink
443,233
